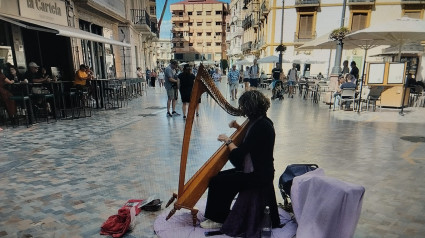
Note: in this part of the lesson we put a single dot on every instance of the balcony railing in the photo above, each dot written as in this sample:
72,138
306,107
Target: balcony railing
307,3
246,46
361,2
303,37
413,1
264,10
246,23
140,17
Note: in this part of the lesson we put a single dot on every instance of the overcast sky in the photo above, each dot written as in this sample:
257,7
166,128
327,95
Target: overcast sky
166,21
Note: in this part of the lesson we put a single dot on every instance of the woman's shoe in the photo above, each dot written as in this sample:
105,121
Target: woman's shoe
208,224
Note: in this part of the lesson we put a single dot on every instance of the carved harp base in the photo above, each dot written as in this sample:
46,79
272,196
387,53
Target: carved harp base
193,211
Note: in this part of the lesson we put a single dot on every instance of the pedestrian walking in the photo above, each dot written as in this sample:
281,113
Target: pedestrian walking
254,75
233,79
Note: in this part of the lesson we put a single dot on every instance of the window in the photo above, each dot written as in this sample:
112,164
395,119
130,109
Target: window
152,10
305,26
181,44
218,33
217,43
190,24
208,23
189,13
199,23
208,33
196,56
209,56
218,23
181,24
180,14
190,44
199,13
178,56
199,44
174,45
199,34
358,20
208,13
190,34
208,43
217,12
413,14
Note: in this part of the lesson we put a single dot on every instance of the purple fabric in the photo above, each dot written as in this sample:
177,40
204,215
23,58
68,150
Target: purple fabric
180,224
325,207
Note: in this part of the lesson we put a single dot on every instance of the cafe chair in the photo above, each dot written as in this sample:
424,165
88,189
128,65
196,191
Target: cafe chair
25,110
373,97
47,106
83,103
347,95
112,94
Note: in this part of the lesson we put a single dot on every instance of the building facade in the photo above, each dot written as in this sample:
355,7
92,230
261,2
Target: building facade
112,37
199,30
164,52
304,20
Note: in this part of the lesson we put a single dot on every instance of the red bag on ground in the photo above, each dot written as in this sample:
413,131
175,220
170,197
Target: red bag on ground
117,225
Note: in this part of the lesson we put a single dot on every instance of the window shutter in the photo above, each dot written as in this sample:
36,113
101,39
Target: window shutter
305,27
359,21
416,14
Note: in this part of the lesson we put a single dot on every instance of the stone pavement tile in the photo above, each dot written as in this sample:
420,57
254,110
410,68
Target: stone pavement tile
80,172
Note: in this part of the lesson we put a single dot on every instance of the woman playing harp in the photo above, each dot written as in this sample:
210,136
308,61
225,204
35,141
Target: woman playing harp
252,159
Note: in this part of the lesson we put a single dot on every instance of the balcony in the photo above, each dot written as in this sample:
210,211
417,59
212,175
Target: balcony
246,23
304,37
361,2
246,47
307,3
412,1
141,20
264,9
154,28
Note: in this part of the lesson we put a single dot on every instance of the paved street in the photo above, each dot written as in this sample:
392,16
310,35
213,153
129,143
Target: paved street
64,179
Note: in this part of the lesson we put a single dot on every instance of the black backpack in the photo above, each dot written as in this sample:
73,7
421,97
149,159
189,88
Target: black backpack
285,180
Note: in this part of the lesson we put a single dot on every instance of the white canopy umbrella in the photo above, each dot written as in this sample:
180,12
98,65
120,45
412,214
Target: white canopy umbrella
243,62
396,32
271,59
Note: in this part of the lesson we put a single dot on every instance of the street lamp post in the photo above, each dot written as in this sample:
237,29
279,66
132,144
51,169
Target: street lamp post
281,37
123,53
337,66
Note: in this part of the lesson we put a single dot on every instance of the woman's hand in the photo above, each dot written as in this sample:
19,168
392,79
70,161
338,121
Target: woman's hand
234,124
223,138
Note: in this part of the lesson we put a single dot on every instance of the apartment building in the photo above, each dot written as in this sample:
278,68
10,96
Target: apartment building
199,30
305,20
234,36
164,47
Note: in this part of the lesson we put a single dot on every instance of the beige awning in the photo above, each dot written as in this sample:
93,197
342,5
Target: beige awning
59,30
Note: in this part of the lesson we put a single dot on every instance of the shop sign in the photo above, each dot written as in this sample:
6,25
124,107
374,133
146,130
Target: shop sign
53,11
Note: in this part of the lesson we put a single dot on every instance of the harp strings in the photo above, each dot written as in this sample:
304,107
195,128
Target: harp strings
213,91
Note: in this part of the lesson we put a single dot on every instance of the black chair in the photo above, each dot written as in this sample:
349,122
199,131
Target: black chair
112,94
45,106
25,109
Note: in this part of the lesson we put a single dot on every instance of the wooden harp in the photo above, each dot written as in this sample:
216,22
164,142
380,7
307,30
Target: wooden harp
189,193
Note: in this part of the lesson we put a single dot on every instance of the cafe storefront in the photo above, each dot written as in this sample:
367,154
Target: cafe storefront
45,32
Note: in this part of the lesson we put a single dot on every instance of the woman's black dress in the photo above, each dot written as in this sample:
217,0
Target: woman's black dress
186,85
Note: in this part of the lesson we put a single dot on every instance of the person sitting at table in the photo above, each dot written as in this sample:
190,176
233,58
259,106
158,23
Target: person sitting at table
33,75
13,74
5,96
347,83
81,77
